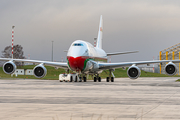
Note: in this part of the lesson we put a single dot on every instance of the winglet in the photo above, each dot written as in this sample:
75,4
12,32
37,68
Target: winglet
100,33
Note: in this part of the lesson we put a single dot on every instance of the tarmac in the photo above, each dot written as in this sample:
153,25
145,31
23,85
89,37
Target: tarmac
124,99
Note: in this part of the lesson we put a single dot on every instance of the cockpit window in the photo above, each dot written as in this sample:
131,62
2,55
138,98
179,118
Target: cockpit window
77,44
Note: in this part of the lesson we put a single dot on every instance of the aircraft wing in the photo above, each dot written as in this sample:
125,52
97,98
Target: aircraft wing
104,66
120,53
48,63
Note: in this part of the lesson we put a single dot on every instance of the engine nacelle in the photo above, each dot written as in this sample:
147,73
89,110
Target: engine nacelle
133,72
170,69
9,67
39,71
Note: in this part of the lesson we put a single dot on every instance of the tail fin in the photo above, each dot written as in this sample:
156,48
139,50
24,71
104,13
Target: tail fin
100,33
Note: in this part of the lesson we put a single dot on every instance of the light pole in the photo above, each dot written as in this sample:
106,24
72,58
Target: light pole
52,51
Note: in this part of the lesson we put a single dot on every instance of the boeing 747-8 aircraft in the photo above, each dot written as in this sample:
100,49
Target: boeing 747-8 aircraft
83,58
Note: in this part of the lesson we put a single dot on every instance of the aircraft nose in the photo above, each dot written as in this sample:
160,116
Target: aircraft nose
76,51
76,63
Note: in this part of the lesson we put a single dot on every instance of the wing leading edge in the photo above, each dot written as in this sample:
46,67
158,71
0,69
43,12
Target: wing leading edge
120,53
48,63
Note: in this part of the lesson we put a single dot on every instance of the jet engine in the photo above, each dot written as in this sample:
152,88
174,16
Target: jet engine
170,69
133,72
9,67
39,71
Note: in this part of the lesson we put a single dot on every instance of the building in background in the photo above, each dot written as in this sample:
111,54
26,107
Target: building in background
171,53
22,72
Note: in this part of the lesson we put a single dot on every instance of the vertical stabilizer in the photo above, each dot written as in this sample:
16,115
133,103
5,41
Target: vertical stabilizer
100,33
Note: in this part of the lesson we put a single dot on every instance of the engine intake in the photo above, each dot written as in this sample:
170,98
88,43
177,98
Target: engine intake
133,72
39,71
170,69
9,67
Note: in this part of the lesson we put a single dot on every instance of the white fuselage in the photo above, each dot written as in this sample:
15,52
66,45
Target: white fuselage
81,52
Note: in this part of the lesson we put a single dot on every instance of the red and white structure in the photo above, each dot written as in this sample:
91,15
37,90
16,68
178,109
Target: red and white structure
12,39
109,59
95,40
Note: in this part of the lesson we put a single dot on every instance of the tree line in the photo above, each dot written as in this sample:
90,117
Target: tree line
18,53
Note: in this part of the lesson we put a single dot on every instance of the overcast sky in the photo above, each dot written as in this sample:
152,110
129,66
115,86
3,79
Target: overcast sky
148,26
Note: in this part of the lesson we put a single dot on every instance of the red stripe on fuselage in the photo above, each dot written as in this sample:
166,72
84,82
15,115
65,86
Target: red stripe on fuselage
77,63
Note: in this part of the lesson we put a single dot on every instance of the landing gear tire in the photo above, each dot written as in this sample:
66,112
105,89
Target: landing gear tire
71,79
107,79
112,79
76,79
99,79
95,79
84,79
80,79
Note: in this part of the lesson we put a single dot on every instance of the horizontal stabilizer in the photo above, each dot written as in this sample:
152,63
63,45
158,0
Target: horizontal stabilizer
120,53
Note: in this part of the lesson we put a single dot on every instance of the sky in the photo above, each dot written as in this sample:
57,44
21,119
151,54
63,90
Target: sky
148,26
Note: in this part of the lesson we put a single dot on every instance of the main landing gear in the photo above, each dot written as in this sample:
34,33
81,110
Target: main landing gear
81,79
97,79
110,78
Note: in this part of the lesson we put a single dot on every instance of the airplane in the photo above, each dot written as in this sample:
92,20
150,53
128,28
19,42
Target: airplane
85,59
